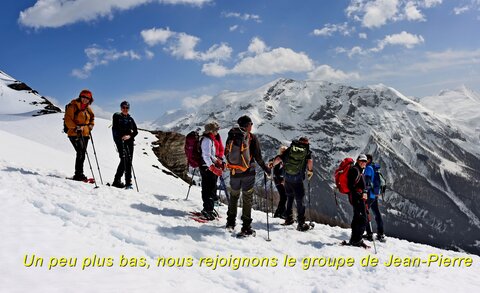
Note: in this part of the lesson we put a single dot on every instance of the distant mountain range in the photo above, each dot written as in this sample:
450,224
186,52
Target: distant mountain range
428,150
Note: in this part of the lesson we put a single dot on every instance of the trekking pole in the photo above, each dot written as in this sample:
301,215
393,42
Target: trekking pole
224,186
312,224
96,159
131,165
271,193
191,182
266,205
88,159
370,224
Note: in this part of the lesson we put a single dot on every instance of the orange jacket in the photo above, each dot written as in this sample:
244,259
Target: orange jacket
74,117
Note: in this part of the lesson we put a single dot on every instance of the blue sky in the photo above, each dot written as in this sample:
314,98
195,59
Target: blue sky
166,54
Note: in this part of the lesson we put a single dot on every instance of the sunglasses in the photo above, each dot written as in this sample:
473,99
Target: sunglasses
85,97
125,107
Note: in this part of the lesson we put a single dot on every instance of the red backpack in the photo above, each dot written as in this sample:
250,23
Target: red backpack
341,175
193,150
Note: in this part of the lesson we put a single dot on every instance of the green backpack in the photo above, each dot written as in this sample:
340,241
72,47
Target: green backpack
296,158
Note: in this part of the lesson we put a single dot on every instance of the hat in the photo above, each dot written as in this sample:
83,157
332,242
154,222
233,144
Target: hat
124,104
244,121
362,157
303,139
87,94
211,127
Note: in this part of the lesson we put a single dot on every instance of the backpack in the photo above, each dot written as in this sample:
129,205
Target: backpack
341,175
296,158
379,182
193,150
237,150
65,128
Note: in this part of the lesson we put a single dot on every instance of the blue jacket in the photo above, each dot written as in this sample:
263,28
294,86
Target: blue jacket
369,175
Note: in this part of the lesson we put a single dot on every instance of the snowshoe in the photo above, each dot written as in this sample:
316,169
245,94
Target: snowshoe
118,184
381,238
288,222
246,232
302,227
359,244
129,186
368,237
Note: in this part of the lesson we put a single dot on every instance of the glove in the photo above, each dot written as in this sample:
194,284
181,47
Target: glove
126,137
215,170
364,196
267,170
90,126
309,174
79,129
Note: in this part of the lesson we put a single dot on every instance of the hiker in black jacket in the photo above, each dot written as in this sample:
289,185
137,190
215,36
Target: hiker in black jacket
358,197
124,131
244,181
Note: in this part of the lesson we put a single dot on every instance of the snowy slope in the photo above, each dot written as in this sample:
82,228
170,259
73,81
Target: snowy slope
18,98
44,214
432,163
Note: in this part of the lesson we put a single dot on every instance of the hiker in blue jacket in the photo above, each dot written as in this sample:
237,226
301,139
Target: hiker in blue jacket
372,201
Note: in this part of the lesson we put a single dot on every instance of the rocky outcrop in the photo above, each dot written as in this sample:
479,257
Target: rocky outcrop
169,149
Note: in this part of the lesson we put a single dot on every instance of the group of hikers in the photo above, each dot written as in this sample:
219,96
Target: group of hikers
289,168
79,120
240,156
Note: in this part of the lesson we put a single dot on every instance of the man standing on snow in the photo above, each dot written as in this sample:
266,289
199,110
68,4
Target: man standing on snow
297,159
242,147
124,131
372,201
79,120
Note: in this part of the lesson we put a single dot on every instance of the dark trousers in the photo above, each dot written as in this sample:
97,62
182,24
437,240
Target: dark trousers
359,221
373,205
295,190
283,198
245,184
80,145
125,152
209,188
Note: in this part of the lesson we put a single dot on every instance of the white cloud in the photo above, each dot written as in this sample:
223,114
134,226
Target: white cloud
149,54
412,12
362,36
402,39
195,102
264,62
325,72
98,56
184,47
461,10
57,13
156,36
431,3
376,13
330,29
244,16
233,28
257,46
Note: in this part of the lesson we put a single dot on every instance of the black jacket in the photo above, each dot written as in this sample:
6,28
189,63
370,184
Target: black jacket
356,181
123,125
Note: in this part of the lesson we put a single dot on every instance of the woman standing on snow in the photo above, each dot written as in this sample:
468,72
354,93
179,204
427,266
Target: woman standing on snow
79,120
124,131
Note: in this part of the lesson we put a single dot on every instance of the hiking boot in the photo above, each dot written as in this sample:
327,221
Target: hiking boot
381,238
230,226
118,184
368,237
289,222
303,227
247,231
208,215
358,244
279,214
79,177
128,186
